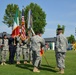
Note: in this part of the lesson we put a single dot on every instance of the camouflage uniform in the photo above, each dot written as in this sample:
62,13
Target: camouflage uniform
0,48
56,53
25,51
36,43
61,47
18,50
4,50
30,53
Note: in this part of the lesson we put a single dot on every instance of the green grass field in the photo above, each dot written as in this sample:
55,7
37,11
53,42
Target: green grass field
45,69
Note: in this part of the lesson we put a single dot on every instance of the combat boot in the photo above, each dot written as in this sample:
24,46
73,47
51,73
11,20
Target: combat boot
25,62
2,63
61,71
36,70
30,62
18,62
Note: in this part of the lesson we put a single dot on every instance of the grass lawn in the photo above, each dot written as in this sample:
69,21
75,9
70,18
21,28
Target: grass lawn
45,69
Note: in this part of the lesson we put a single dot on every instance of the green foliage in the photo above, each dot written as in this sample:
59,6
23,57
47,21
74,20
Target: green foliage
9,15
71,39
39,17
59,26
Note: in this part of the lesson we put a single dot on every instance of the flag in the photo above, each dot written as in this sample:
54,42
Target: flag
16,28
30,21
23,32
41,52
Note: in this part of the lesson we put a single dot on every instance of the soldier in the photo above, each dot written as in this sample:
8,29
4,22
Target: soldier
4,50
25,50
56,53
29,45
12,49
18,50
36,43
0,48
30,52
61,47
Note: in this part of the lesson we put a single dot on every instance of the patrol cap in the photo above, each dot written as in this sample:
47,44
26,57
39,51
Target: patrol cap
59,29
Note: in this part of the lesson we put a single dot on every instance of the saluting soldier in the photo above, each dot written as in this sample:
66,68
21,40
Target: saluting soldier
36,43
4,49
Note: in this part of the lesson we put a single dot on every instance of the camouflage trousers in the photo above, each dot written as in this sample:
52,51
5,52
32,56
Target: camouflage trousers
36,58
22,52
30,55
25,54
3,55
18,53
60,58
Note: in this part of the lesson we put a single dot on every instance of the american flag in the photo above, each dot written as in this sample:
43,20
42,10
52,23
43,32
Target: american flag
23,32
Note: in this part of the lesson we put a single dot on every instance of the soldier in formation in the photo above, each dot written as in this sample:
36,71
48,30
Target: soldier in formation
0,48
12,49
4,50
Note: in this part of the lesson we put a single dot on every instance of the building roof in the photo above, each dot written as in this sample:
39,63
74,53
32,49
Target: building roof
50,39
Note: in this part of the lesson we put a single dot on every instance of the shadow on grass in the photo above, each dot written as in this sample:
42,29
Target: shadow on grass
30,67
25,66
48,68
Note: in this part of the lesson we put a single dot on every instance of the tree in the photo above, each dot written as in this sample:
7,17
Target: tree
59,26
9,15
71,39
39,17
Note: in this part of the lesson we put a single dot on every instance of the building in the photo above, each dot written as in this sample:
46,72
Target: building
51,42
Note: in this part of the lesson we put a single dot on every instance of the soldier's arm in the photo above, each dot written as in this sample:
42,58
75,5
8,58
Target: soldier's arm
42,42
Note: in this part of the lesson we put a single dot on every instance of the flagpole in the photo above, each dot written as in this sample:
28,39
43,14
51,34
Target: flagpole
28,19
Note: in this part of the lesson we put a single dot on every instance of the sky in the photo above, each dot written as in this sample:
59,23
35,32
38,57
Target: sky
61,12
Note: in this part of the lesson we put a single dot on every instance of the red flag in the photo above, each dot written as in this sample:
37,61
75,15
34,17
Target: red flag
16,27
23,32
41,52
